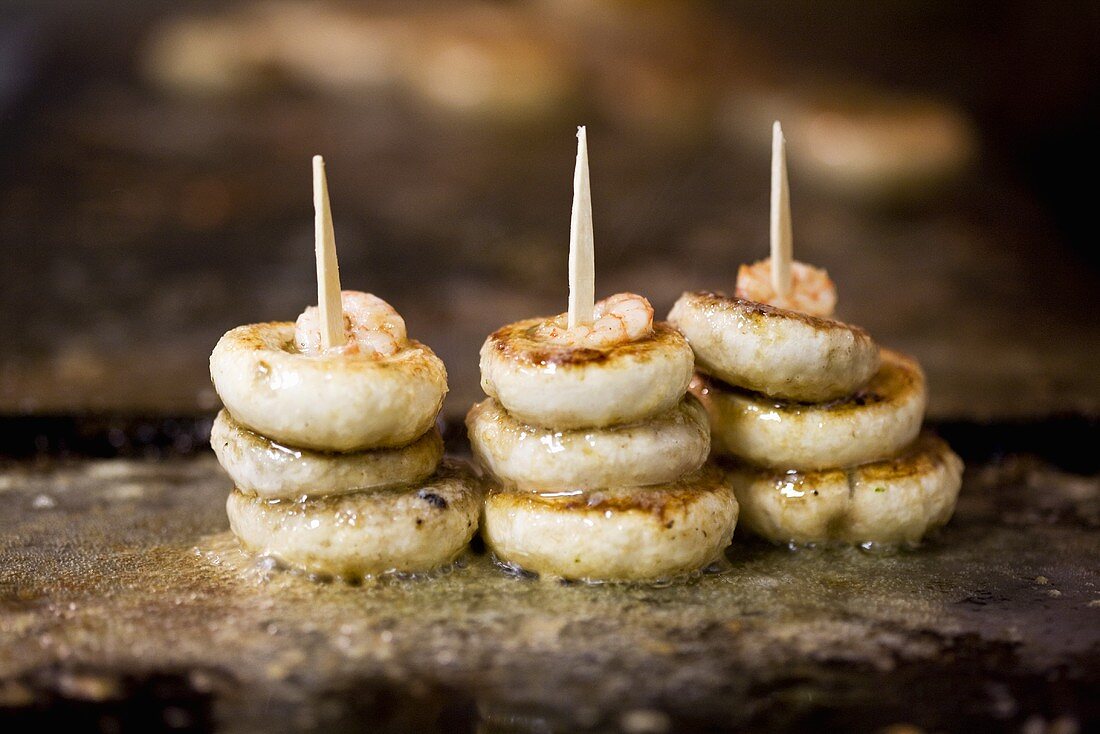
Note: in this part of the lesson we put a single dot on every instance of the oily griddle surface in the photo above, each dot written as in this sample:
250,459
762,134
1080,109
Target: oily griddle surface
124,604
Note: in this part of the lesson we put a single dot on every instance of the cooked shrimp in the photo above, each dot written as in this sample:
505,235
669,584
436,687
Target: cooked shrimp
812,292
372,326
618,319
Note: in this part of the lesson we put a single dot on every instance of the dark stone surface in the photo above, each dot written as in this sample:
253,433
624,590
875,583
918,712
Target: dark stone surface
124,603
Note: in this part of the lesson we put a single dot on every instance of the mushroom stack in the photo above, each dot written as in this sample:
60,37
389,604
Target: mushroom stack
824,426
597,449
329,434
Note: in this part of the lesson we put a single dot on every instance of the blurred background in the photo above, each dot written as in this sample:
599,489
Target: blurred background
155,177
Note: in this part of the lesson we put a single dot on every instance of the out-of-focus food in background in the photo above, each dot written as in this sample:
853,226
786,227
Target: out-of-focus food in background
869,144
155,180
655,67
475,59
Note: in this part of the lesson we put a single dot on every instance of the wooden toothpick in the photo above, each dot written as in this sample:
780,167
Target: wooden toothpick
582,269
781,240
328,271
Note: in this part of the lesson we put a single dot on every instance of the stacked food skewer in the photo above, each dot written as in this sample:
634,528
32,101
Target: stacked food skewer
596,433
824,424
329,435
596,449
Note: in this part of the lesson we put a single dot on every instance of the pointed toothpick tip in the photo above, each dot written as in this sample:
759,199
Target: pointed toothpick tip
780,220
581,259
328,270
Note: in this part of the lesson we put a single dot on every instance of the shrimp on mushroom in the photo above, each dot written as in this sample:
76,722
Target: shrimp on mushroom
329,436
596,451
372,326
777,334
781,353
618,319
349,398
812,292
620,368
